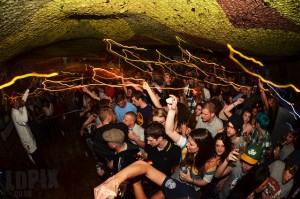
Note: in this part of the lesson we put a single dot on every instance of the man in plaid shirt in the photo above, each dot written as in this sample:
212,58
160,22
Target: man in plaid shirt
261,136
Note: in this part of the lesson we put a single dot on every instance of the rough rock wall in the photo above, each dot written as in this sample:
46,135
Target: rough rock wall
260,27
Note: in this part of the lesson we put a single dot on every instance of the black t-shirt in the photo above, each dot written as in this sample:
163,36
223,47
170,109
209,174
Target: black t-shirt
100,145
164,160
124,158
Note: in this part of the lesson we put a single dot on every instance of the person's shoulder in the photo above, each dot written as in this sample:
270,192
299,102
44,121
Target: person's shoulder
219,120
102,129
132,148
138,127
149,106
278,163
174,147
118,125
129,104
211,164
117,108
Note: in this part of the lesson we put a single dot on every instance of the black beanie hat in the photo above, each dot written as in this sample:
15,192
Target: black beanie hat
237,121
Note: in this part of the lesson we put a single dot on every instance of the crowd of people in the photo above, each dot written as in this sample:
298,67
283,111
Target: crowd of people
191,139
171,137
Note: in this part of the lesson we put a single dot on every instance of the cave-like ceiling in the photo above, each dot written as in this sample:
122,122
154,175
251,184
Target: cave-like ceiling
258,27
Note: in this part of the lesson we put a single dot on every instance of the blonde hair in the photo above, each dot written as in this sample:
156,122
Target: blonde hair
159,112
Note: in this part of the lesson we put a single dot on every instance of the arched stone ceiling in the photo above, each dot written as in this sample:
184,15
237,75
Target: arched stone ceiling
258,27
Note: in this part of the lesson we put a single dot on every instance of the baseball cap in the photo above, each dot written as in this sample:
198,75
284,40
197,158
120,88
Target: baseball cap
252,154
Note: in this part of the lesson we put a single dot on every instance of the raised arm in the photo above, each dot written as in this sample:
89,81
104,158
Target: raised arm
109,188
263,94
90,119
123,82
170,127
224,168
152,95
135,86
25,95
84,89
227,110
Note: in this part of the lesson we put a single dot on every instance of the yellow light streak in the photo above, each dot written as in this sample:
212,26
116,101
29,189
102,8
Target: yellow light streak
231,56
24,76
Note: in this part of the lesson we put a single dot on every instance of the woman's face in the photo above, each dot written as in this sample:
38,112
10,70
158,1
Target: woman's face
198,110
219,147
192,146
246,117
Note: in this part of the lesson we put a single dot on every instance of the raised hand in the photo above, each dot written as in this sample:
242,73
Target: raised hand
240,100
84,89
233,155
172,102
107,189
260,85
146,85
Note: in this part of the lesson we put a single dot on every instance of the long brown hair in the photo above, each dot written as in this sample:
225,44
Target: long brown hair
205,143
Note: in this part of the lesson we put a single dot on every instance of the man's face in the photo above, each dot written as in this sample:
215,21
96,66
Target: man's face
254,111
122,103
128,120
167,78
230,131
153,142
289,138
249,92
246,166
18,102
135,101
129,92
111,145
286,176
206,115
244,90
